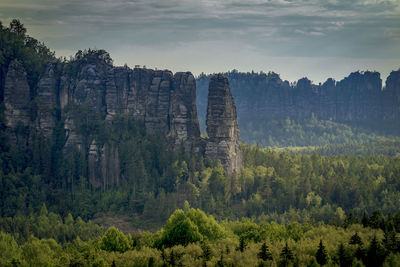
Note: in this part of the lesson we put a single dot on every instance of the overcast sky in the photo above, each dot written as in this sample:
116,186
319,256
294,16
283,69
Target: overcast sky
295,38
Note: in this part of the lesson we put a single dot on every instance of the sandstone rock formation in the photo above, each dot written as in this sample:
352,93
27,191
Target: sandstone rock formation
78,93
222,125
16,100
16,96
357,98
47,99
391,97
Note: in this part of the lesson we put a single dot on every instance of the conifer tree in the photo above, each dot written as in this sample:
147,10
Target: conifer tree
242,244
264,253
355,240
344,257
390,241
321,255
286,256
375,254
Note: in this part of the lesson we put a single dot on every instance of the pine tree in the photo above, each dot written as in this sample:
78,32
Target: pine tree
355,240
390,241
344,257
375,254
321,255
286,256
242,244
364,220
264,253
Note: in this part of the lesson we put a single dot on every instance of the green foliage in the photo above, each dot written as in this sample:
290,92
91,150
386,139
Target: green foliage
115,240
190,227
50,225
112,248
16,44
9,249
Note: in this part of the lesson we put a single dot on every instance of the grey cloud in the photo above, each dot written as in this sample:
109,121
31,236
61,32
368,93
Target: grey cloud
293,28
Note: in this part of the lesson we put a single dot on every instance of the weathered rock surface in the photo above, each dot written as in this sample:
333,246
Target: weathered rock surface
47,99
184,126
16,96
93,90
222,125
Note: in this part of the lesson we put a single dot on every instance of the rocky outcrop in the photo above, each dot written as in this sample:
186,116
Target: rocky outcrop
17,102
391,97
47,99
358,98
16,96
222,126
90,89
184,126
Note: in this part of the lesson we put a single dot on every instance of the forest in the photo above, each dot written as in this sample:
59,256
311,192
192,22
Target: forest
192,238
331,205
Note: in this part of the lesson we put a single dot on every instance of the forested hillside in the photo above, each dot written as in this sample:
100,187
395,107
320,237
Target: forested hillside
156,177
63,166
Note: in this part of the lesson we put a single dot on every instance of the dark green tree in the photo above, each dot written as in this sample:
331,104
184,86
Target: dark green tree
344,257
286,257
17,27
265,253
355,240
375,255
321,255
242,244
390,241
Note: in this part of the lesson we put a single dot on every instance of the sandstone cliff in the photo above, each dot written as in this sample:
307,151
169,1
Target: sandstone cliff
222,125
357,98
77,93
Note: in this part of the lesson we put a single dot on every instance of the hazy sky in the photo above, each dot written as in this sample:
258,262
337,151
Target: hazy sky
295,38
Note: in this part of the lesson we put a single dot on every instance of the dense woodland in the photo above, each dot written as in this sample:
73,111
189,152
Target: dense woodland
191,238
274,212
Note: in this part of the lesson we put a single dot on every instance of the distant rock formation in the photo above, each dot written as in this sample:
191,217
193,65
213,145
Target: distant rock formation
92,89
222,125
391,97
359,97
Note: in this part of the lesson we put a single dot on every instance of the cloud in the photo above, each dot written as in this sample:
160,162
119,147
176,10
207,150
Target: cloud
263,28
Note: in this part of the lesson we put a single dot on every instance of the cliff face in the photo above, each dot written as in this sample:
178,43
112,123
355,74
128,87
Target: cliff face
391,96
222,125
16,96
94,90
357,98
